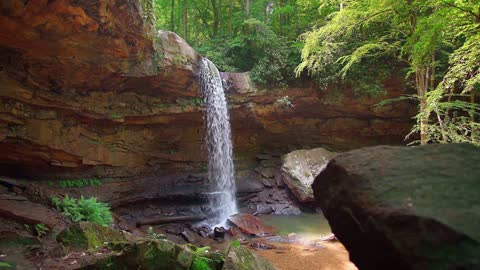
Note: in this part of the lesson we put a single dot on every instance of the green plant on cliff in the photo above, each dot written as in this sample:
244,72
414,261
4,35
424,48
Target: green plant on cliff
234,243
116,116
284,103
40,229
79,183
5,265
84,210
200,259
155,236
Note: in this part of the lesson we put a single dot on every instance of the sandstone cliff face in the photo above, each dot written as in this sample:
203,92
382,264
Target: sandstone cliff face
86,88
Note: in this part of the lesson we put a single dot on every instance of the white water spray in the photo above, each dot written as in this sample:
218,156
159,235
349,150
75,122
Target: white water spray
219,144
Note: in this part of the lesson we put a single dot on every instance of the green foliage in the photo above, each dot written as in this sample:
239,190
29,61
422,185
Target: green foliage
6,265
284,103
116,116
349,45
154,236
234,243
270,58
13,130
239,36
350,48
84,210
38,229
200,259
79,183
450,121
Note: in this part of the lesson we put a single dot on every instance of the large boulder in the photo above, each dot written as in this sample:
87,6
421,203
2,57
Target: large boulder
300,168
88,235
146,254
405,207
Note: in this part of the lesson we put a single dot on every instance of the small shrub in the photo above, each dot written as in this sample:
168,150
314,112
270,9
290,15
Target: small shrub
153,235
284,102
38,229
116,116
84,210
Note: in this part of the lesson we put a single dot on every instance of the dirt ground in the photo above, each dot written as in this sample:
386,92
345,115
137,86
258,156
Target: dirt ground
333,256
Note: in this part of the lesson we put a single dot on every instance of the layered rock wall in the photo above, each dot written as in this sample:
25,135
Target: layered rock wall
87,89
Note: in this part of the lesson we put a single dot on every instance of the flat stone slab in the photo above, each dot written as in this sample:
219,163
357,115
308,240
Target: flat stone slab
27,212
251,225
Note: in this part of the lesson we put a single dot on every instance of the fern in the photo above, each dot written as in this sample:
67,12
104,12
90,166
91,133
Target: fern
84,210
201,261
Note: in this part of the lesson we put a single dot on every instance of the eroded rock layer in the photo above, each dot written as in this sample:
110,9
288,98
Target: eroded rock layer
86,88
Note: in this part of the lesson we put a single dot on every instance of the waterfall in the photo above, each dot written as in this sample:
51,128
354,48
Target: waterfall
218,140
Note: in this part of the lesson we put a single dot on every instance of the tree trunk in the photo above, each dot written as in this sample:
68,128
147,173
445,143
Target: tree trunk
247,9
215,17
185,20
230,22
422,80
472,118
172,17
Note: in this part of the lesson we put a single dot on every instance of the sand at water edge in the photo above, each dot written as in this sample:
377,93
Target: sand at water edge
333,256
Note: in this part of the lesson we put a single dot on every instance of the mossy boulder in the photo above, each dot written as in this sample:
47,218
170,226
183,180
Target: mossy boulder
241,258
148,255
88,235
405,208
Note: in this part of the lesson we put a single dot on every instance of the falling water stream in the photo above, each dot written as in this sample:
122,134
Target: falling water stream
219,144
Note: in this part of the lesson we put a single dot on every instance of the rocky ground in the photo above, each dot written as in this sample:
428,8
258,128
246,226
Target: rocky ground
67,245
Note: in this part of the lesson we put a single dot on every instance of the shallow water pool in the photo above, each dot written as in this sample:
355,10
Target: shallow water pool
307,226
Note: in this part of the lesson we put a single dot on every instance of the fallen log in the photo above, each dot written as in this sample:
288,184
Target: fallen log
163,220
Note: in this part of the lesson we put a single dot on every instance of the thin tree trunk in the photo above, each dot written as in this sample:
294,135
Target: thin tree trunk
472,117
185,20
280,4
247,9
230,22
422,83
172,17
215,17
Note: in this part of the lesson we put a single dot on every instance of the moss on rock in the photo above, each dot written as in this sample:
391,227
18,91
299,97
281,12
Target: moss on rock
240,258
88,235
